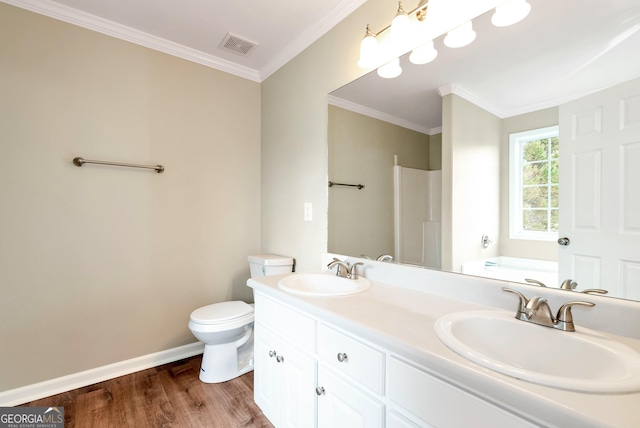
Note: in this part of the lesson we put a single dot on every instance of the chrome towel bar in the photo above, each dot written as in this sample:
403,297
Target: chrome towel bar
333,183
80,161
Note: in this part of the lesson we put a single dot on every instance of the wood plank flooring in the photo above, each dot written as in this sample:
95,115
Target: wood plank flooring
167,396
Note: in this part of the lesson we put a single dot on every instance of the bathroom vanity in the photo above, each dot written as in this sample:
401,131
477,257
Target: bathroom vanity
373,359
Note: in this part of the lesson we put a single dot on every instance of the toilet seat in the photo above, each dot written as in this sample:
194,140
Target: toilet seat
234,312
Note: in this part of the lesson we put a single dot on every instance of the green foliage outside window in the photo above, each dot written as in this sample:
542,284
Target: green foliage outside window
540,185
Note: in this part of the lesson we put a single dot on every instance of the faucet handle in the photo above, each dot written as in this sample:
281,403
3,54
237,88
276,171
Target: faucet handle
533,281
565,316
353,271
594,291
523,301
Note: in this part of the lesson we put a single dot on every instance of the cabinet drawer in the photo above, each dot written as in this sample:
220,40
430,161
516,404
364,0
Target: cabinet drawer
351,357
438,403
286,321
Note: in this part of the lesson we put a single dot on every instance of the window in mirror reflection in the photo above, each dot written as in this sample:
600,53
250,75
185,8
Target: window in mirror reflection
533,184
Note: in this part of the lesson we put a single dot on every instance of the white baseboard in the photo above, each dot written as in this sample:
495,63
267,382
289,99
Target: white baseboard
25,394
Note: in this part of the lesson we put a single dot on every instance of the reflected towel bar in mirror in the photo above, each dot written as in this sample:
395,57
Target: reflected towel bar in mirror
80,161
333,183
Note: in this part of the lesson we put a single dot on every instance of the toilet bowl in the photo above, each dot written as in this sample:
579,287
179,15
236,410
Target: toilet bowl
226,328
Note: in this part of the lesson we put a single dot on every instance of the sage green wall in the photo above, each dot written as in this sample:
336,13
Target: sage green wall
103,264
361,150
294,137
470,181
435,152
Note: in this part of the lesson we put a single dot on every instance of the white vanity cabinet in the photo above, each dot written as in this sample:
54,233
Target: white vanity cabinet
433,402
348,370
342,404
309,373
285,368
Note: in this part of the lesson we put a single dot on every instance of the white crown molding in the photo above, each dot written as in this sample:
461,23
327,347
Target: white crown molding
385,117
310,35
113,29
25,394
454,88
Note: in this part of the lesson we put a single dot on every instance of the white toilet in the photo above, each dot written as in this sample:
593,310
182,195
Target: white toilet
226,328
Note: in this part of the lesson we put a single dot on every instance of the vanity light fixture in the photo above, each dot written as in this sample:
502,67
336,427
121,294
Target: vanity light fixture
400,27
423,54
510,13
460,36
391,69
408,31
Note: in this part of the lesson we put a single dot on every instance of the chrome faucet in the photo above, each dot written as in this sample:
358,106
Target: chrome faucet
342,269
353,271
385,258
570,284
536,310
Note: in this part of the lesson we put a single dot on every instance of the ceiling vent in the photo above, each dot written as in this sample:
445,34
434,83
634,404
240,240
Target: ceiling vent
237,44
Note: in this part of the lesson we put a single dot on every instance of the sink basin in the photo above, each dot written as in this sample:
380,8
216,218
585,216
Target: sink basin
583,360
322,284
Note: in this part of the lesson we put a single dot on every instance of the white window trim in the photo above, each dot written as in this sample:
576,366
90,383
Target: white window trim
515,197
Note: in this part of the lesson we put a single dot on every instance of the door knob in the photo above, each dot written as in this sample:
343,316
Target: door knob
564,241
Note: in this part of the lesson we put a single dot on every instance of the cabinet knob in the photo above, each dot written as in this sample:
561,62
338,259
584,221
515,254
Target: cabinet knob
280,358
320,390
342,357
564,241
272,354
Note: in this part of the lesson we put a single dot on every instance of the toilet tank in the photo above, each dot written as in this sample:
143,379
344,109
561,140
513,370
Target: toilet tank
269,264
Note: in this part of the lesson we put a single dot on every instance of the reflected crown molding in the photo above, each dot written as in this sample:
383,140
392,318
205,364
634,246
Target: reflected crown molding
454,88
385,117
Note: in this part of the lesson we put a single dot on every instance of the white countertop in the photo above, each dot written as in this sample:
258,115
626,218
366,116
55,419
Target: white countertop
402,321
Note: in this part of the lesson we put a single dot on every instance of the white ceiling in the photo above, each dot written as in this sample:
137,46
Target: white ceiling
194,29
564,49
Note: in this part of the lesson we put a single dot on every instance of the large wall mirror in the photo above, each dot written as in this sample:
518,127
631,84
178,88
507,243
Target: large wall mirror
571,65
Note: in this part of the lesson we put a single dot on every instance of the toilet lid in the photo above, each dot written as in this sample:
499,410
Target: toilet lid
221,312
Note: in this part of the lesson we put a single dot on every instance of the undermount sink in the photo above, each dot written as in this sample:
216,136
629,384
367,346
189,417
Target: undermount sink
583,360
322,284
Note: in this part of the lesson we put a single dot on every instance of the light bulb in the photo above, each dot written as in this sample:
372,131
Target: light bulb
460,36
423,54
391,69
510,12
400,27
369,50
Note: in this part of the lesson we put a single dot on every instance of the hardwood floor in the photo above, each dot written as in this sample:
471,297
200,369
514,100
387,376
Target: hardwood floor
166,396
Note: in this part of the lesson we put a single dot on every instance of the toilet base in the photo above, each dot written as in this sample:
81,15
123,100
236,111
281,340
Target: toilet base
221,363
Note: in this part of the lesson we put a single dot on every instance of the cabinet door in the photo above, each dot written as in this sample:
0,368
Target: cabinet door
266,384
297,374
284,381
342,405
